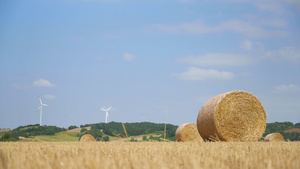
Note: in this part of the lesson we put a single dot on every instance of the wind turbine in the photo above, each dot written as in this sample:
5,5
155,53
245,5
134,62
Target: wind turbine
106,110
41,109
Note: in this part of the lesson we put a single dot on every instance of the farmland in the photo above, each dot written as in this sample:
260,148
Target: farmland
148,155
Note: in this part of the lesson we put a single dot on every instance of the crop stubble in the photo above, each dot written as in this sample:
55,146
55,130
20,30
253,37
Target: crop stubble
147,155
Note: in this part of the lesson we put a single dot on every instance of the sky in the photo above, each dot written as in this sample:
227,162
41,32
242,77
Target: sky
145,58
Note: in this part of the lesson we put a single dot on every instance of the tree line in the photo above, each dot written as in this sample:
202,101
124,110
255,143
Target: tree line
133,129
280,127
29,131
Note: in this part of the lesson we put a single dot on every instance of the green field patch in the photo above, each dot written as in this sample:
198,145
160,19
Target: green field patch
58,137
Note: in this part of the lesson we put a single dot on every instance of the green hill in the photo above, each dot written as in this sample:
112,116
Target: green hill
134,129
57,137
114,131
281,127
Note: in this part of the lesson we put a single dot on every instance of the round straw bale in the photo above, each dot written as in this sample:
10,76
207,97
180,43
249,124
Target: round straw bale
188,132
232,116
274,137
87,138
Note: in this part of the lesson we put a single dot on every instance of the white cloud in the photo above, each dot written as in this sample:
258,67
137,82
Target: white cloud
48,96
247,29
290,55
196,74
287,54
277,6
270,5
274,22
251,30
247,45
293,2
128,56
42,83
286,88
218,59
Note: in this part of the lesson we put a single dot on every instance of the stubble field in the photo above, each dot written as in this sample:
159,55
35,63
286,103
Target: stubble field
150,155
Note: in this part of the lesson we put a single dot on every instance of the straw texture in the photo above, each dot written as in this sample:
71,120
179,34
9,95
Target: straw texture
232,116
87,138
274,137
188,132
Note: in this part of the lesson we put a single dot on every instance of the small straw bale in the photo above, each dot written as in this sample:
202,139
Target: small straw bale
87,138
188,132
273,137
232,116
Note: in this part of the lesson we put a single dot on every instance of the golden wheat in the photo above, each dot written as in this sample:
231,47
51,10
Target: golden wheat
147,155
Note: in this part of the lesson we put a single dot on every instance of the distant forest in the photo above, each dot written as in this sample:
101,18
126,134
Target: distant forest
134,129
29,131
280,127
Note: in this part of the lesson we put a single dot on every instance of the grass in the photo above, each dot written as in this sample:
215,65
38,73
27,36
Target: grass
58,137
150,155
68,137
25,128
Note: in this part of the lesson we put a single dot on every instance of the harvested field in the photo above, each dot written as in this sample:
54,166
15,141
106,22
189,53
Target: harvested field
147,155
5,130
294,130
77,130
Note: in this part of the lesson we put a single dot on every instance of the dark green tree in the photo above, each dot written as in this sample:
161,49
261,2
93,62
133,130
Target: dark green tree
95,132
83,129
72,127
133,140
145,138
106,138
7,137
281,127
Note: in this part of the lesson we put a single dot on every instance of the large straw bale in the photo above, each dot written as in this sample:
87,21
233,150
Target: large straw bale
232,116
188,132
87,138
273,137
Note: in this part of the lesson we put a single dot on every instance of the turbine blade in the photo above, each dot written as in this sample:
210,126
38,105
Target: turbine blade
40,100
45,105
38,108
109,108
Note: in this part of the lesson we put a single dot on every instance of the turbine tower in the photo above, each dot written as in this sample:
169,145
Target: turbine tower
106,110
41,109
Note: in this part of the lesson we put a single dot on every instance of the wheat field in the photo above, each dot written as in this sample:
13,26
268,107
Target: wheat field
150,155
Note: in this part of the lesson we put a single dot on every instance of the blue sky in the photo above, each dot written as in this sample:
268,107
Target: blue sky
139,56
